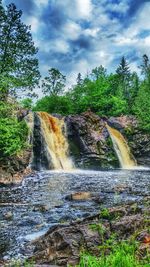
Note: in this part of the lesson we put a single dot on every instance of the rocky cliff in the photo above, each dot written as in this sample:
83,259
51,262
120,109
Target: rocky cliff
91,146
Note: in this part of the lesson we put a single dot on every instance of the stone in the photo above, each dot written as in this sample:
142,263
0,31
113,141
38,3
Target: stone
79,196
8,215
62,244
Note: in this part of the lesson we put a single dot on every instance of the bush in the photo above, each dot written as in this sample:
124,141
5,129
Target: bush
54,104
13,134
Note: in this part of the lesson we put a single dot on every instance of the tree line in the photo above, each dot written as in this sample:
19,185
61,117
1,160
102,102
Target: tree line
123,92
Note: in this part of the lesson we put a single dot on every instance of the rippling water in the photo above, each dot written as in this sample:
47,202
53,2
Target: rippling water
41,202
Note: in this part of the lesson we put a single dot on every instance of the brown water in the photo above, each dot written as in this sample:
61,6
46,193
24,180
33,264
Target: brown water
53,130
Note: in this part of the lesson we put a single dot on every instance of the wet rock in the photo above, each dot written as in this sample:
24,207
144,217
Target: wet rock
8,215
79,196
120,188
41,208
62,244
83,196
127,225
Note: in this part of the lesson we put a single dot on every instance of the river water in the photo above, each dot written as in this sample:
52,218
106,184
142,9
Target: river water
28,210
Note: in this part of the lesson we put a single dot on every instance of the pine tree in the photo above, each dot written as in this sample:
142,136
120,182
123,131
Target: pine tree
145,68
123,72
18,65
79,79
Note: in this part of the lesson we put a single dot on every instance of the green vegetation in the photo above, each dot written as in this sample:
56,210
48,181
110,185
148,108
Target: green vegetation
18,75
115,94
13,133
121,255
18,65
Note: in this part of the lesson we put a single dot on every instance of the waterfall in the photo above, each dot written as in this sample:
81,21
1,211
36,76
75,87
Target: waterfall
122,149
55,143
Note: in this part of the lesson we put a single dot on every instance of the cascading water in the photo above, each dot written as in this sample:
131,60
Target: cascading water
122,149
54,142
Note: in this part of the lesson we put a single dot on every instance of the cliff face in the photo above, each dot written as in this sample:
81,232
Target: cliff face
89,142
91,146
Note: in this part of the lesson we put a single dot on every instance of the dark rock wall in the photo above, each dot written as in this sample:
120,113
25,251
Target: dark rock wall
40,157
89,142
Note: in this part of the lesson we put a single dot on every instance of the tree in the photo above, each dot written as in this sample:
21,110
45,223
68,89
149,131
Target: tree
145,68
79,79
54,83
18,65
142,106
123,72
98,72
27,103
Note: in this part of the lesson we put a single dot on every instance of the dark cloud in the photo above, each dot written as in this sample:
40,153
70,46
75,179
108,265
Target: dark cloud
135,5
54,16
83,42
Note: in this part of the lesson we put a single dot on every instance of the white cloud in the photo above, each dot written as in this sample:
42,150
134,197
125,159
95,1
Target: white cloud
121,7
91,32
34,22
140,22
71,30
84,8
122,40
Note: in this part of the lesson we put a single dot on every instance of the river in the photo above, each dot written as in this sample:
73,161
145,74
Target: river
41,201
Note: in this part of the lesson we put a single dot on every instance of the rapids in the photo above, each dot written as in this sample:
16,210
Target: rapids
41,202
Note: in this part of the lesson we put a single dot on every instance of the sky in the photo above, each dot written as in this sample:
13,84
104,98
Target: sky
78,35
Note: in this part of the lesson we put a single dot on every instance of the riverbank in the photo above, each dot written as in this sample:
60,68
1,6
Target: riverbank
50,202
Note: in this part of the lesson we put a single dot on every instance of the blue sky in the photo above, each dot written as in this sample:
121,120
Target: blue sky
78,35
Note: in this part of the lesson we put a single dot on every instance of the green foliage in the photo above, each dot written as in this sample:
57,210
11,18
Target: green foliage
98,227
105,214
122,93
54,83
27,103
121,255
18,65
12,136
13,133
54,104
142,106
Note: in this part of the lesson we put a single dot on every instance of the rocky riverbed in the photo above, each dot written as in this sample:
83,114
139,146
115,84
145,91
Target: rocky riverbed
51,203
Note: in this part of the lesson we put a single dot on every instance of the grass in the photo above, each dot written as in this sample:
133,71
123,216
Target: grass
121,255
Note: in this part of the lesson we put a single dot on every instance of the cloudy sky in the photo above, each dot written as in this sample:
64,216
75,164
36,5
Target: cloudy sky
78,35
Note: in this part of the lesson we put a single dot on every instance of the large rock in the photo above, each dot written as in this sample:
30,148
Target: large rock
90,143
91,146
62,245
